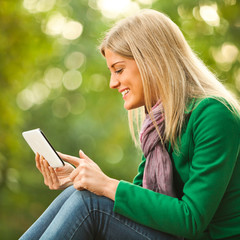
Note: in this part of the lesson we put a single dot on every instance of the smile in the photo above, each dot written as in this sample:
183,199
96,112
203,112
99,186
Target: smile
125,92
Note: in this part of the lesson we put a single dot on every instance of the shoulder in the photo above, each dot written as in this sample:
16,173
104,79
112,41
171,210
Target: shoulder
211,103
215,109
212,115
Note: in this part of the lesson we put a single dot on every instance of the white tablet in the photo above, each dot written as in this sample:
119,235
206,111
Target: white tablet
39,144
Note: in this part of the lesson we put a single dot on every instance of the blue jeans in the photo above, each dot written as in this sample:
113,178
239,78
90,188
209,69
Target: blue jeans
84,215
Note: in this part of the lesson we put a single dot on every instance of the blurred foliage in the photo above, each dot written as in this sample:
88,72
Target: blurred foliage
57,81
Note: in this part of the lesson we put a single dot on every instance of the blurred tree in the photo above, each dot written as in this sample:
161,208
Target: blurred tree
21,43
53,77
212,28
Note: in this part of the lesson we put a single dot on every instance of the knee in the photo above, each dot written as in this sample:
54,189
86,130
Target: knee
80,199
89,201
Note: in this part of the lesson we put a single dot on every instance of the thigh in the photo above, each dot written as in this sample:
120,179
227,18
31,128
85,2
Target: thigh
110,225
88,216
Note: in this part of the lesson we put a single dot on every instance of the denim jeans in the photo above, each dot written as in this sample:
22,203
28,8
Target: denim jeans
83,215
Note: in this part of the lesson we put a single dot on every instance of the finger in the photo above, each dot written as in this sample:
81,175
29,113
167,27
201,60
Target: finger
53,175
37,159
48,173
45,171
41,164
84,156
78,186
71,159
74,174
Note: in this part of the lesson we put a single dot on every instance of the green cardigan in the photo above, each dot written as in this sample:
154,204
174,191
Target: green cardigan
206,177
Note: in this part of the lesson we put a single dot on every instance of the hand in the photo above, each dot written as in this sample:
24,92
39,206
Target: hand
57,178
89,176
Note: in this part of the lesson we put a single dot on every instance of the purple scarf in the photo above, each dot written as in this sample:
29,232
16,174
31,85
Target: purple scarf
158,174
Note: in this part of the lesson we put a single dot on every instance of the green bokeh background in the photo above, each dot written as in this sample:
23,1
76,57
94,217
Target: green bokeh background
90,117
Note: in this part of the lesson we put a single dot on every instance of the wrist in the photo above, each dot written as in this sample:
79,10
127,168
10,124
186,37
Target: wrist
111,188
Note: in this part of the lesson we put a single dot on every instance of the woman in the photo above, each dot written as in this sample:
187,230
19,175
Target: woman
188,181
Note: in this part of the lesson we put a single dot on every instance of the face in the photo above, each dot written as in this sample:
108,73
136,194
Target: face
125,77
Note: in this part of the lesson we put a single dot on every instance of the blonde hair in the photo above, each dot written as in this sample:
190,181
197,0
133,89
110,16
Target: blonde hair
169,69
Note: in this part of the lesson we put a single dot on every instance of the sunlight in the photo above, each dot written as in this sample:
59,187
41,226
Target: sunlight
230,2
25,99
72,30
209,15
55,24
74,60
72,80
34,6
146,2
78,103
227,53
60,25
40,92
114,8
36,94
53,77
61,107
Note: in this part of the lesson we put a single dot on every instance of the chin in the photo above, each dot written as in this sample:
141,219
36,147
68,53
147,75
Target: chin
127,107
132,106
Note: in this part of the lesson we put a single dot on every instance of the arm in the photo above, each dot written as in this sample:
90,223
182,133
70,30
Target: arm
210,172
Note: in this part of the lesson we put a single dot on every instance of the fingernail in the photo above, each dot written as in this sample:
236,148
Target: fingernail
82,152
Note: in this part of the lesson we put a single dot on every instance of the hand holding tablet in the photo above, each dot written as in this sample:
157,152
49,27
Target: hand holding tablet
40,144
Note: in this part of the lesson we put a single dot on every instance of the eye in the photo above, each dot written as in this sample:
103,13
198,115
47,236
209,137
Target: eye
119,71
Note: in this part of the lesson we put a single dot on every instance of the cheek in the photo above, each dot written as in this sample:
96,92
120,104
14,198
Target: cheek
140,87
142,95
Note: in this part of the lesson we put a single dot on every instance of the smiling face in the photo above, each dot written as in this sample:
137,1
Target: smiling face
125,77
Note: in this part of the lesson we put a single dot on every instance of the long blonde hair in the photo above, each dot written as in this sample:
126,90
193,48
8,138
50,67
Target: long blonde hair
169,69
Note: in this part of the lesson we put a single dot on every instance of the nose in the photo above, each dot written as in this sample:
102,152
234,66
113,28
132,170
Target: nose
114,82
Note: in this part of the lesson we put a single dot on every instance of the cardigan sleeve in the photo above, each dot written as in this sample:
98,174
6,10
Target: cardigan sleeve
216,137
138,179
